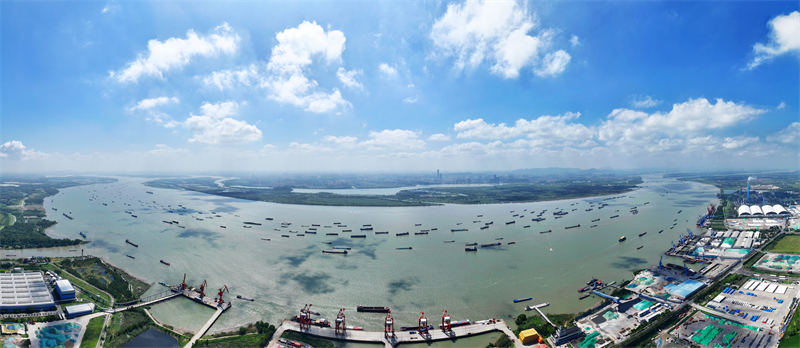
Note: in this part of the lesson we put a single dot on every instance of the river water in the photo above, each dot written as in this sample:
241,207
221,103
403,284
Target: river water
285,273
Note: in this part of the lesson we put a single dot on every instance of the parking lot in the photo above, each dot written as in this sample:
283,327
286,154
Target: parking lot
765,301
710,331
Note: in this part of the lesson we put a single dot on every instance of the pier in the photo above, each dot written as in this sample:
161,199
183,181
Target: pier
400,337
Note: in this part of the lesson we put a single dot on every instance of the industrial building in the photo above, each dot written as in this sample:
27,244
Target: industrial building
78,310
64,289
776,210
530,336
20,291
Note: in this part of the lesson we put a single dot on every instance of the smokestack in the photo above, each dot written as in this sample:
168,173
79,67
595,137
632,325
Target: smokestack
748,190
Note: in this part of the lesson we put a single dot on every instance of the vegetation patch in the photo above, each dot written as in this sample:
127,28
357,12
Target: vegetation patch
92,334
791,337
308,339
122,286
787,244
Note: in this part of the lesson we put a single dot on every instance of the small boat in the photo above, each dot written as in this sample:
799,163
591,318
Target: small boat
384,232
417,224
622,239
406,248
134,216
244,298
526,226
548,231
471,244
331,234
510,243
268,219
165,262
642,234
223,227
471,249
285,235
640,247
523,299
162,283
334,251
434,229
347,230
131,243
419,233
660,231
501,238
342,248
361,308
83,235
401,234
267,239
449,241
592,226
358,236
584,296
480,215
130,256
323,242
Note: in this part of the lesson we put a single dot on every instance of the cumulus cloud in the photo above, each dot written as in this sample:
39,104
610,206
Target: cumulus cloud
296,49
784,38
227,79
543,127
738,142
215,126
14,150
644,103
393,139
553,64
496,32
387,70
439,137
789,135
147,104
177,53
781,106
348,78
163,150
343,141
411,100
574,40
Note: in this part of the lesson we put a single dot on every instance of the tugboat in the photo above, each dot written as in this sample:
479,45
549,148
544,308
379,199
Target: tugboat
471,249
640,247
244,298
165,262
83,235
642,234
623,238
130,256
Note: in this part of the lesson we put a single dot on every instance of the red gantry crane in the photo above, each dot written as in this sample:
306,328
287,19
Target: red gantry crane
388,325
340,323
202,289
305,317
446,326
423,323
221,290
183,283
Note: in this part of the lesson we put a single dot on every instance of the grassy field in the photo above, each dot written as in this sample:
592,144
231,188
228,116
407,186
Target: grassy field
92,333
792,336
313,341
115,281
77,281
789,244
254,340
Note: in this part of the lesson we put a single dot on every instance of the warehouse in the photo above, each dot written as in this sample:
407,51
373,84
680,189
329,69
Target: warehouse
20,291
65,289
78,310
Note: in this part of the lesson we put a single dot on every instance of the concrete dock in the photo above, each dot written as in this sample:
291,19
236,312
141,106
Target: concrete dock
400,337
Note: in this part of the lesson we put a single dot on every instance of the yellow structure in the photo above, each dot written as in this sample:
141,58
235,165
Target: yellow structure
530,336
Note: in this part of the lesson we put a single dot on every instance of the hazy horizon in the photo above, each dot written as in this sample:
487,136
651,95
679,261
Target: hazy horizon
183,87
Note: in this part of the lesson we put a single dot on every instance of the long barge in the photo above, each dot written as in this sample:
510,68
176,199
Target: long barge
334,251
252,223
131,243
490,245
573,226
361,308
458,229
165,262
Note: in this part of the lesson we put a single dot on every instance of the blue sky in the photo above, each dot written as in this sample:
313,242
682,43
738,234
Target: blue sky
353,86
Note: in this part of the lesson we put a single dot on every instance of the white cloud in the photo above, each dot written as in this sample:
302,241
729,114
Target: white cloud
784,37
387,70
411,100
147,104
439,137
645,103
14,150
162,150
574,40
697,114
176,53
105,9
544,127
738,142
348,78
553,64
221,110
789,135
343,141
227,79
215,126
410,85
781,106
393,139
295,50
497,32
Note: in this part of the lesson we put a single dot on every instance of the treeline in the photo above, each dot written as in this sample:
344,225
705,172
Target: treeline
37,188
118,288
30,233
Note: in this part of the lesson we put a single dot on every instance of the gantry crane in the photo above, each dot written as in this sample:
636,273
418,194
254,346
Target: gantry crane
202,289
446,326
183,283
388,325
221,290
423,323
305,317
340,323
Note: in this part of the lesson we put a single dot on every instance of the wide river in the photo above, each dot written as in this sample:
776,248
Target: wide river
285,273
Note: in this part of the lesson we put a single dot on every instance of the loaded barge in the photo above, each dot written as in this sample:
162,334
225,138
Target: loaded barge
131,243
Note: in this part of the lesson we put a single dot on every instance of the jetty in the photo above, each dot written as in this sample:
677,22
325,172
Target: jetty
399,337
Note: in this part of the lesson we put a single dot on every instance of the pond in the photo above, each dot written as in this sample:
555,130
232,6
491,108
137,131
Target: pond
153,338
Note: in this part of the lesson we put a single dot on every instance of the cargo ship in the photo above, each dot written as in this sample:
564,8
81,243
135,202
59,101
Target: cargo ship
331,234
622,239
130,256
244,298
548,231
640,247
449,241
401,234
490,245
311,232
334,251
285,235
523,299
252,223
367,225
131,243
366,228
383,232
342,247
223,227
419,233
511,243
134,216
488,223
405,248
359,236
165,262
595,220
417,224
267,239
458,229
480,215
526,226
538,219
315,225
573,226
150,192
361,308
471,249
642,234
584,296
83,235
268,219
592,226
434,229
68,217
484,227
615,216
471,244
510,222
660,231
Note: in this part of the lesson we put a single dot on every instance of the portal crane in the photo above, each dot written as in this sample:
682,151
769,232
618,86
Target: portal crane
183,283
202,289
446,321
222,290
423,323
388,325
340,323
305,317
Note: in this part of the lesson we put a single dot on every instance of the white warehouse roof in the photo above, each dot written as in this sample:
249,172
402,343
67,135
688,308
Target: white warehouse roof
755,210
779,209
744,210
768,210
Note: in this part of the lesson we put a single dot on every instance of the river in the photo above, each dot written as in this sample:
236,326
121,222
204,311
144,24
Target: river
285,273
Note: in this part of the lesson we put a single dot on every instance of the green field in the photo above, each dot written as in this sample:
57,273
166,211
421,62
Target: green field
116,282
82,284
92,333
789,244
791,337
